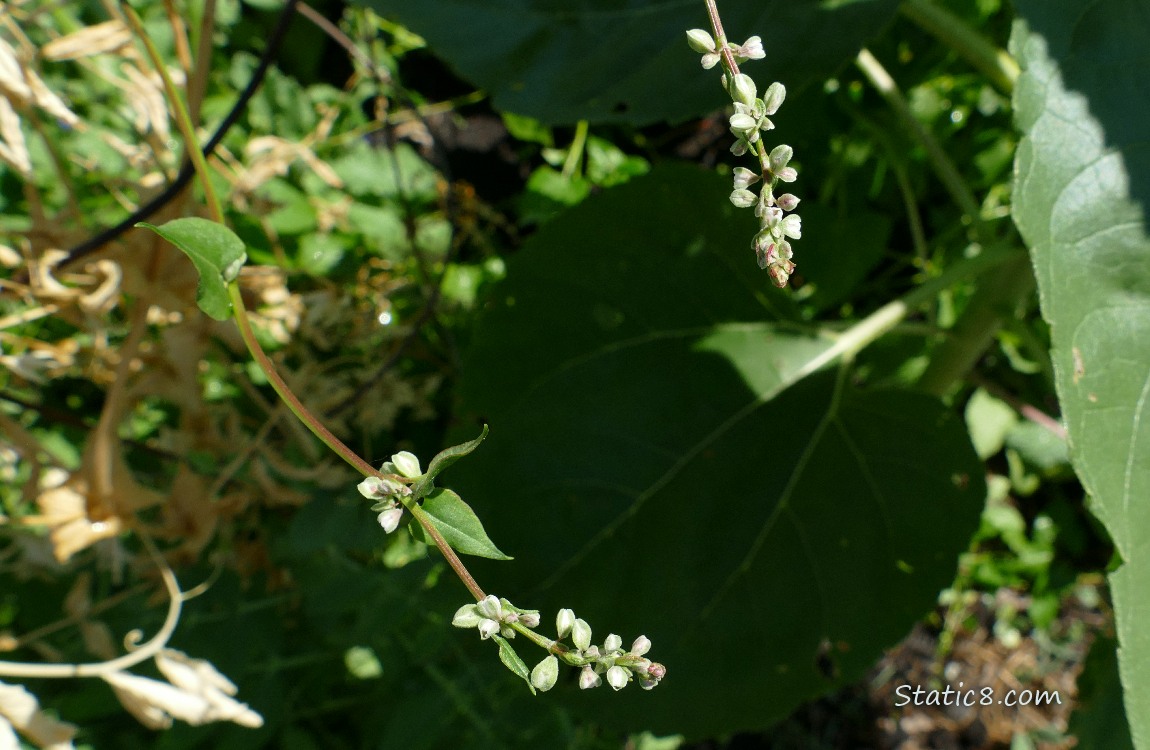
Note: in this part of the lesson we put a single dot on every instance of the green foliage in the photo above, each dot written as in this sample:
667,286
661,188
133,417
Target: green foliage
458,524
217,253
802,514
1080,202
561,61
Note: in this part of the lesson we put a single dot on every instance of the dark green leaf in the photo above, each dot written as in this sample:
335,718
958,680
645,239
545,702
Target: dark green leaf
217,253
561,61
658,464
442,460
458,524
512,661
1082,189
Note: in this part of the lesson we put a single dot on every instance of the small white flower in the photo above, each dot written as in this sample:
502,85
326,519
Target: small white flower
752,49
490,607
700,41
564,621
389,519
744,178
545,673
618,677
792,226
613,643
773,98
787,174
588,679
743,89
788,202
743,198
710,60
581,634
407,465
780,157
488,628
466,617
641,645
530,619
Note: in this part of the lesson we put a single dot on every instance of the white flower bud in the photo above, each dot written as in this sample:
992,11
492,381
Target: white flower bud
618,677
375,488
530,619
773,97
792,226
581,634
743,198
487,628
613,643
700,41
780,156
588,679
752,49
744,178
490,608
641,645
787,174
564,622
710,60
507,631
545,673
466,617
742,89
407,465
788,202
389,519
742,123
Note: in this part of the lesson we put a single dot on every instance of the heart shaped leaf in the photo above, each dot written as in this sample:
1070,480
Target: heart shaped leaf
458,524
217,253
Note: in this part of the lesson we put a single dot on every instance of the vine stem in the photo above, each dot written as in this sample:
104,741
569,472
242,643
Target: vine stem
995,63
239,313
120,663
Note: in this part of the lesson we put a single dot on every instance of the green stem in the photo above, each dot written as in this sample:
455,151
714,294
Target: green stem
996,298
445,548
947,172
995,63
183,121
874,326
575,153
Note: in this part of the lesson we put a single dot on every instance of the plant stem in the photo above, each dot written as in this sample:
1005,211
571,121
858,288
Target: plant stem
943,166
995,63
183,121
575,153
721,39
995,299
285,393
448,553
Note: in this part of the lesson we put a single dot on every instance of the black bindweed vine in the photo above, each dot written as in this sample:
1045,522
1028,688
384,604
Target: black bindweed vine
777,222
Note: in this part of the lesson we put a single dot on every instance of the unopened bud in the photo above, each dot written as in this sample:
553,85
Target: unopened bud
588,679
787,202
780,156
743,198
742,89
530,619
407,464
389,519
773,97
744,178
617,677
545,673
490,607
700,41
488,628
466,617
581,634
613,643
564,622
641,645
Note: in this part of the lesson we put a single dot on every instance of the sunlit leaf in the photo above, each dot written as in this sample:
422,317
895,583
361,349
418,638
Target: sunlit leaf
217,253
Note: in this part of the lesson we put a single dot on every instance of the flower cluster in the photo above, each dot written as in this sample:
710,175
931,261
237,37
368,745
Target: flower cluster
610,660
386,492
751,118
494,616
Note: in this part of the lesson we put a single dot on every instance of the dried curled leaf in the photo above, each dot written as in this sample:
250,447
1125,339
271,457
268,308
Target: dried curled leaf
109,36
22,711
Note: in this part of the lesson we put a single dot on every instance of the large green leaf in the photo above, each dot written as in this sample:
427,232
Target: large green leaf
654,461
561,61
1081,195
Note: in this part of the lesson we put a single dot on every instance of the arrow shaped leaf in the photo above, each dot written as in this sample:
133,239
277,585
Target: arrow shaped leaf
217,253
458,524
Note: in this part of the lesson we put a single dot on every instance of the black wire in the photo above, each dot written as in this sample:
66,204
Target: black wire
187,171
